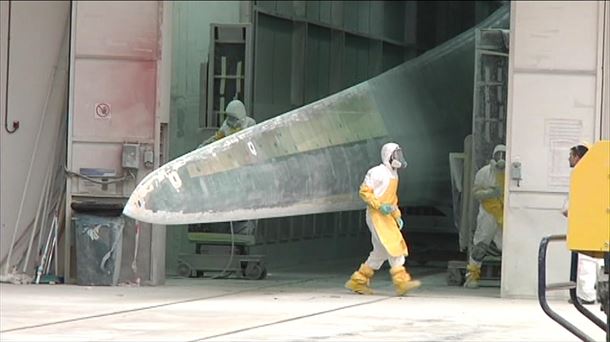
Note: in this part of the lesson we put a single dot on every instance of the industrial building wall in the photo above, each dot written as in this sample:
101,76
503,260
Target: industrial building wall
555,101
37,32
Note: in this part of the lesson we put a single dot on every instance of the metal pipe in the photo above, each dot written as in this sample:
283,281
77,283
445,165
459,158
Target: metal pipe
8,58
55,253
53,232
53,171
59,163
44,253
577,304
45,214
542,287
68,161
35,227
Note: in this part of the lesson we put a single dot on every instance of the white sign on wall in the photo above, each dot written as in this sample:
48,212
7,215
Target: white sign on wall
561,135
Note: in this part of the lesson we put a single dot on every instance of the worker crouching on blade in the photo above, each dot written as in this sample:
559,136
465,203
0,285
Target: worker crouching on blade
236,120
379,191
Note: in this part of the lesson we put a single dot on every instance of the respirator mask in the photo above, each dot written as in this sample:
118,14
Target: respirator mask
397,160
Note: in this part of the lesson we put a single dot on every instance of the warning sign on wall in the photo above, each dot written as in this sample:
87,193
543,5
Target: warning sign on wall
102,111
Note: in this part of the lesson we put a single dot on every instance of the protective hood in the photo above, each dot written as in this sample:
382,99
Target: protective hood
498,148
236,109
386,153
501,163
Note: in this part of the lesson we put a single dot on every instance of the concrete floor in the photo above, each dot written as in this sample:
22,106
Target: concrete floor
291,304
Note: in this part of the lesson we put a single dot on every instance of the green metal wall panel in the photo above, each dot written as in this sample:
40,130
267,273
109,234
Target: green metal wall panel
273,66
317,63
313,10
364,16
394,12
326,12
350,15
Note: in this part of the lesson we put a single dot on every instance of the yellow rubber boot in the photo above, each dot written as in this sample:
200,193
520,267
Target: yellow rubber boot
472,276
402,280
360,280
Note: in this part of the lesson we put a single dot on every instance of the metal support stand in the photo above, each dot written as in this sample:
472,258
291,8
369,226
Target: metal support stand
571,286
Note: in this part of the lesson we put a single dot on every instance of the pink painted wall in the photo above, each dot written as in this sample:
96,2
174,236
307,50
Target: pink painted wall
115,66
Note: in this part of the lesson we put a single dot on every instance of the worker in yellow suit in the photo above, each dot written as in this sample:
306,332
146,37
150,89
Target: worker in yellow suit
488,189
379,192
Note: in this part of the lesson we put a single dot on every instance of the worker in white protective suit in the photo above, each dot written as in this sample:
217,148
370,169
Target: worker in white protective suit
236,120
587,266
488,189
379,192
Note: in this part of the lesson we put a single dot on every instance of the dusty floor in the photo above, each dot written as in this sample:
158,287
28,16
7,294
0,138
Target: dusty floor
296,305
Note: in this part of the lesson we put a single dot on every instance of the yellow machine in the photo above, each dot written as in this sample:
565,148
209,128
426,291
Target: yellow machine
589,208
588,233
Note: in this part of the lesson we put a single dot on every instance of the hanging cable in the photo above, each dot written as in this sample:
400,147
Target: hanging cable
224,274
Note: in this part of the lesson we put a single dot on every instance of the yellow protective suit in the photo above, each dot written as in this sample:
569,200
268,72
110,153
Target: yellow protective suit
495,206
385,225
